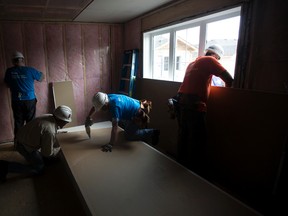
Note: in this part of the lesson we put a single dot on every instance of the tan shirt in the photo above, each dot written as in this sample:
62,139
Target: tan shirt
39,134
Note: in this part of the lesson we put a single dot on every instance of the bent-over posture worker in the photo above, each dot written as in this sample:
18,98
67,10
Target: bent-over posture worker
192,98
20,80
37,142
124,108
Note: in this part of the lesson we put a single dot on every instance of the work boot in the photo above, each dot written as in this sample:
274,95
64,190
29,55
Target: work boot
155,137
3,170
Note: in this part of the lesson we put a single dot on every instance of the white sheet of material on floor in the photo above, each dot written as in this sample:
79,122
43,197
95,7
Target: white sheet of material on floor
136,179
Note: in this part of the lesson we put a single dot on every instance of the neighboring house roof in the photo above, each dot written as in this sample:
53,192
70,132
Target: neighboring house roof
163,44
229,45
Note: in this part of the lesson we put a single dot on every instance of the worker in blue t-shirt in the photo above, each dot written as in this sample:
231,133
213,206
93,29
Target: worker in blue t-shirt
127,109
20,80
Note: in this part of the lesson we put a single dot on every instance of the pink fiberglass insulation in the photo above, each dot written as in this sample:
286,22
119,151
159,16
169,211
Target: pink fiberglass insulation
5,117
92,48
12,37
80,99
12,41
89,55
75,66
92,86
73,44
33,34
55,52
34,41
105,64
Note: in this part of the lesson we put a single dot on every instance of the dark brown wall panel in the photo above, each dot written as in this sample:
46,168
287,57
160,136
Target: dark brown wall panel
184,10
116,52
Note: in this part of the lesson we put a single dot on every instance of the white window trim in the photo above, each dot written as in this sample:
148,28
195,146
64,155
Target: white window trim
202,22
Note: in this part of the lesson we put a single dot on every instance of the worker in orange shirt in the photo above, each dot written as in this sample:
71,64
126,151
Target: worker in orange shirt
192,98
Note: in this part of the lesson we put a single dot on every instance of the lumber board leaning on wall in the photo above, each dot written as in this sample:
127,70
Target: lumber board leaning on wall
63,94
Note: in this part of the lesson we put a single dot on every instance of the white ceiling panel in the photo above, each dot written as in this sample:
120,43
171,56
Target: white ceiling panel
118,11
104,11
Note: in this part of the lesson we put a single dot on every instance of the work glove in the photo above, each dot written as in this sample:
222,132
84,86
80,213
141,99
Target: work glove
88,122
107,148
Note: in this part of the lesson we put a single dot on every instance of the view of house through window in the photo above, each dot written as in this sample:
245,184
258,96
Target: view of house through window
169,50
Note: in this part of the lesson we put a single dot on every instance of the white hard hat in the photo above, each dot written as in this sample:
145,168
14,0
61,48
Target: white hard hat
217,49
99,100
17,54
63,113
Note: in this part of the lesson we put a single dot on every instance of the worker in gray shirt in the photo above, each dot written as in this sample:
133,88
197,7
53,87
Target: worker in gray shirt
36,142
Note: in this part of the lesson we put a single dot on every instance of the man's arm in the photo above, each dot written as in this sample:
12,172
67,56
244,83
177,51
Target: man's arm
91,112
114,132
42,77
227,78
113,138
89,121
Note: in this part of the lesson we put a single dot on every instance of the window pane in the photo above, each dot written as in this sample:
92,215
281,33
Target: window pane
225,33
161,56
168,51
186,50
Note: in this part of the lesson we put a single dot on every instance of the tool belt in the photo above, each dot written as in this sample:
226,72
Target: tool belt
146,105
192,102
142,118
186,102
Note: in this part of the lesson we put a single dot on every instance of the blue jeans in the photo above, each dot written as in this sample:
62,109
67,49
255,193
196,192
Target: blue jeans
35,159
133,132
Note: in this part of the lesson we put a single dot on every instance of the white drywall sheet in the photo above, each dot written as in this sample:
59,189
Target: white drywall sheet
63,95
135,179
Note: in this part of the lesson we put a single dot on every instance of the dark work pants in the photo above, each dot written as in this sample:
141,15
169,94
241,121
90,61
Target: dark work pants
23,112
35,159
192,139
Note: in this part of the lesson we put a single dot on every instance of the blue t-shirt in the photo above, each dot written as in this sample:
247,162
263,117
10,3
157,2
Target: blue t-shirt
123,107
21,82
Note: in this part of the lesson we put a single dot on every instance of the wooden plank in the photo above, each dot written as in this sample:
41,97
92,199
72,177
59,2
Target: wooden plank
136,179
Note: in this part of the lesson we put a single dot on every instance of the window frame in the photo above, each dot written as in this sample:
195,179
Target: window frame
202,22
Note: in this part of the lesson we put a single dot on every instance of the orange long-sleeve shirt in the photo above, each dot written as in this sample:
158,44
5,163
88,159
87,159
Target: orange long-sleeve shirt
198,75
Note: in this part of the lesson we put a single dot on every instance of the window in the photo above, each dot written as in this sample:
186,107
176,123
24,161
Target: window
178,63
168,51
166,63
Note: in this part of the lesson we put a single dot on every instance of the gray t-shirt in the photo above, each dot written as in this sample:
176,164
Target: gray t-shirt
39,134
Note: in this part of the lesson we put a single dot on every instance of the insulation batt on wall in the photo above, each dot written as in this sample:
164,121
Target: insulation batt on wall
84,54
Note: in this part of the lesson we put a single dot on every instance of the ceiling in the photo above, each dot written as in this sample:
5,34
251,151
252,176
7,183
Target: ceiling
104,11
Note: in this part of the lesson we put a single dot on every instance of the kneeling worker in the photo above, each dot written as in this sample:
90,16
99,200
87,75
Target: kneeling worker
36,142
124,108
